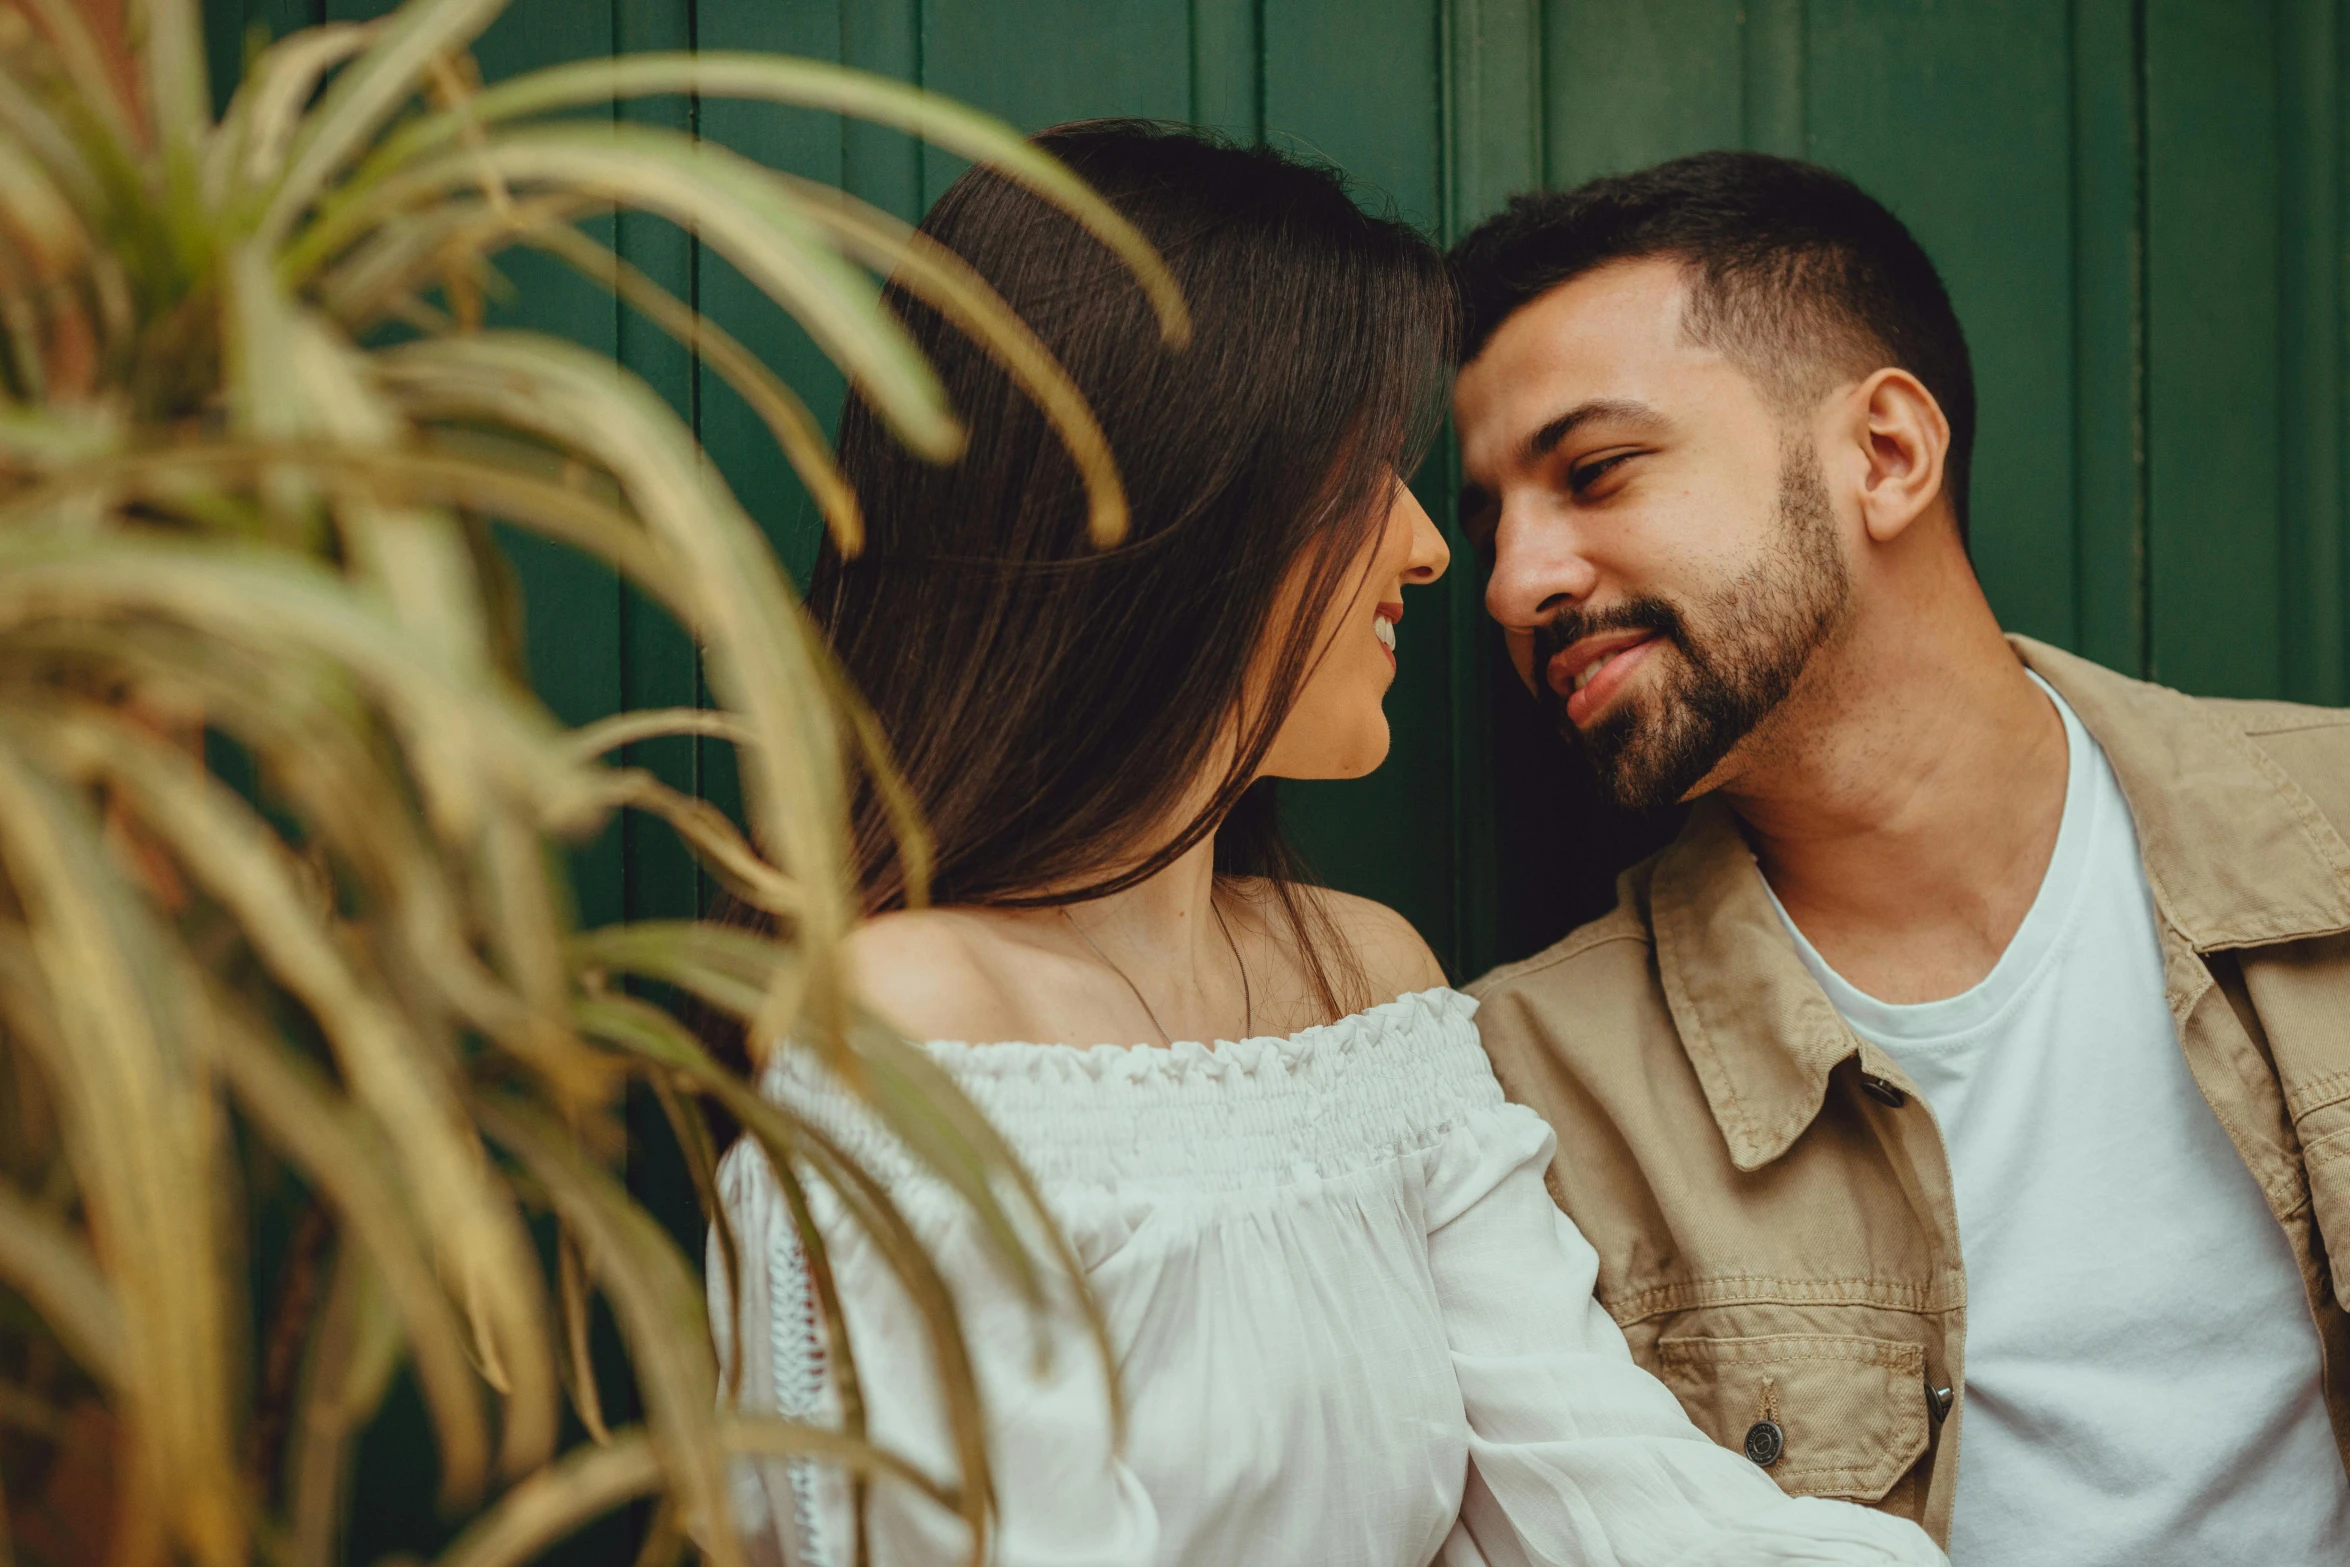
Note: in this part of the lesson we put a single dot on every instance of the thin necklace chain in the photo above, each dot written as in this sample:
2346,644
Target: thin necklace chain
1247,1002
1142,1000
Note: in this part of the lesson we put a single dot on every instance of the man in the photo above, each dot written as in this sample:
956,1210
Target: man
1976,1060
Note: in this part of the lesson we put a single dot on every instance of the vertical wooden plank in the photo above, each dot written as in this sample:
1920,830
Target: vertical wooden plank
2338,137
2214,544
819,147
1043,62
1493,119
2311,447
883,167
1631,82
2109,306
1772,61
1374,112
1956,118
1227,68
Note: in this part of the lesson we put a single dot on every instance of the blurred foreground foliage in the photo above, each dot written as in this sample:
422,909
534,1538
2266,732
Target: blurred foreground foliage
281,822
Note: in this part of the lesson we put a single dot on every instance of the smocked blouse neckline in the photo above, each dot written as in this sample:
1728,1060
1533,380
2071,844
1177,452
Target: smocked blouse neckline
1287,1056
1411,1003
1248,1113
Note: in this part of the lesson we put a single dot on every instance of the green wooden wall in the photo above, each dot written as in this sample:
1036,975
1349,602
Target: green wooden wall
2138,205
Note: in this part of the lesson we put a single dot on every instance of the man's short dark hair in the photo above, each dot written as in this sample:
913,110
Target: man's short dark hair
1797,275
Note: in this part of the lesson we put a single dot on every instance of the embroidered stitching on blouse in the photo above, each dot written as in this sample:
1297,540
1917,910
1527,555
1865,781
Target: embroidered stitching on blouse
796,1352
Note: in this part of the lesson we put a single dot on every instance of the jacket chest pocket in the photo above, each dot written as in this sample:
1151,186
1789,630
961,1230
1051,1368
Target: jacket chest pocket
1825,1414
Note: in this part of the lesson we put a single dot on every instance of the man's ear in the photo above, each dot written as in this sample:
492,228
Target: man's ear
1905,439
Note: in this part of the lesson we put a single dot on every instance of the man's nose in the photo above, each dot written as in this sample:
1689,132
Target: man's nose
1537,571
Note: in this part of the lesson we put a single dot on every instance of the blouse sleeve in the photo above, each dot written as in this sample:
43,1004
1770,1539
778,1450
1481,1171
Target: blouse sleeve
1577,1456
1062,1497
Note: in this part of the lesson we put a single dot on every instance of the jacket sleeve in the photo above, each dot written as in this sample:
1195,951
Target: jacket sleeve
1576,1455
1062,1496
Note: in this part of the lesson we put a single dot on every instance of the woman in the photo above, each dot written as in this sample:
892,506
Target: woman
1350,1324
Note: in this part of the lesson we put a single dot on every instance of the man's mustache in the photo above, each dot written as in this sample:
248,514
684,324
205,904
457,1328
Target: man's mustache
1570,626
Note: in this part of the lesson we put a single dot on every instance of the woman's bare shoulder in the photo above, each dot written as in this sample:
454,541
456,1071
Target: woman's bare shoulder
934,973
1393,958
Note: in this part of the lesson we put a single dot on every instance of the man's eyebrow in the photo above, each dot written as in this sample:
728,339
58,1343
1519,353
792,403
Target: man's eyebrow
1615,410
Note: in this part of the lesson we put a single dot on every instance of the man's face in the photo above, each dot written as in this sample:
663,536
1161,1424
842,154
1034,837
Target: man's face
1666,554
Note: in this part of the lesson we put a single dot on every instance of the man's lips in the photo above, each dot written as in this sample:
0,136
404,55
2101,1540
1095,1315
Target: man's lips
1588,673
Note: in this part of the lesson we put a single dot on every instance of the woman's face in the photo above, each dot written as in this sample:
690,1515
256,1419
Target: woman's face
1338,728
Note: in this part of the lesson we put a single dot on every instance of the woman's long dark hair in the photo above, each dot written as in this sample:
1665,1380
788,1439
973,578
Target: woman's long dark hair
1051,704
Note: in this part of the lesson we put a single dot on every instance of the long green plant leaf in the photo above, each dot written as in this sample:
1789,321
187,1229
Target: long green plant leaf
282,824
409,1099
365,95
811,84
124,1075
659,1309
737,208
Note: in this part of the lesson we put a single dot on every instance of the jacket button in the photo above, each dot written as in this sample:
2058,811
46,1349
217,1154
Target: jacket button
1938,1401
1883,1092
1764,1443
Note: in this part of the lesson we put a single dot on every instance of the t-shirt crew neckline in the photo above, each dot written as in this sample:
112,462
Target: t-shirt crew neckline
2034,947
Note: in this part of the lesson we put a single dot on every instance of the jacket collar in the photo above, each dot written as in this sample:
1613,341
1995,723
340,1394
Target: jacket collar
2236,854
1760,1032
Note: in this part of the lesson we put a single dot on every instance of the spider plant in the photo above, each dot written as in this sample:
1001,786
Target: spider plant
281,819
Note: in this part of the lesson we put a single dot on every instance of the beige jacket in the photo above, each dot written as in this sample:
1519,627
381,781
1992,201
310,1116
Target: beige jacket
1769,1199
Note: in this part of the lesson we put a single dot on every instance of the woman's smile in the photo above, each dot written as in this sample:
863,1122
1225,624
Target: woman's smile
1383,623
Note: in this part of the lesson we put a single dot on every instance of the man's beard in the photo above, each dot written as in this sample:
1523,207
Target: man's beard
1750,643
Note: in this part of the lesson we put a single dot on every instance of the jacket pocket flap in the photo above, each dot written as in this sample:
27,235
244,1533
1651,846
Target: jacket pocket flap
1851,1411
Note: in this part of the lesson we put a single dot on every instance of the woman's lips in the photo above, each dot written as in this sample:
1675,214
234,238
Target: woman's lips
1591,673
1383,624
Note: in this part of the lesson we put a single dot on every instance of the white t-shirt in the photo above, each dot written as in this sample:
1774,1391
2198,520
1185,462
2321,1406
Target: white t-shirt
2142,1374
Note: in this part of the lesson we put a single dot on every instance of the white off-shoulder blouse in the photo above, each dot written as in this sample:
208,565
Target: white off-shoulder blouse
1352,1327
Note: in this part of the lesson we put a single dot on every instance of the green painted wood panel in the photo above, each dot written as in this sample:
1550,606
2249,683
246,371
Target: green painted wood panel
2137,204
2214,523
1043,62
2310,44
2109,303
1955,116
1631,83
1227,67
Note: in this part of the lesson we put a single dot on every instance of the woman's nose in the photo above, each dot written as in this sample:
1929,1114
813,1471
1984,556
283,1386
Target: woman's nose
1430,554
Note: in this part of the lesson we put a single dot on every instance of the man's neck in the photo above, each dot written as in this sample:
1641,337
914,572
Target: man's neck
1904,802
